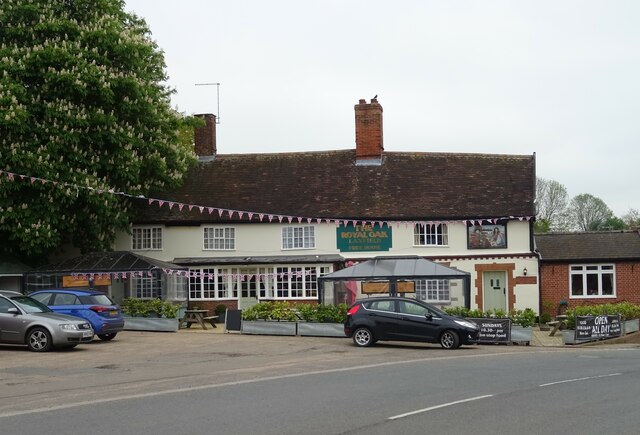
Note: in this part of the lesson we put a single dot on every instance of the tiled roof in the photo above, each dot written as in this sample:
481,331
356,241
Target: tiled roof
600,246
408,185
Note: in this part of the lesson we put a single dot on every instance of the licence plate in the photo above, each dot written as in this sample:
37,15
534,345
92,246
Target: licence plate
87,333
113,313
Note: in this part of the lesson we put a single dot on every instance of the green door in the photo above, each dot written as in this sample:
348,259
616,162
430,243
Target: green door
494,291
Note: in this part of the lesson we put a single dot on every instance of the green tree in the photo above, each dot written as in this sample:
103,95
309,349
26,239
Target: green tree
82,103
589,213
551,206
614,223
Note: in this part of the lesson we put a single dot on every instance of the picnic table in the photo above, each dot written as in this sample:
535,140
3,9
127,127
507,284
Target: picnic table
197,316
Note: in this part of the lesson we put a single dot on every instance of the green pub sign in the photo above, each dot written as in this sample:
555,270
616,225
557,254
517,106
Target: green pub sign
359,238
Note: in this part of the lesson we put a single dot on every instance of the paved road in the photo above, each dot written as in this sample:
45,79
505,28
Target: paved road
222,383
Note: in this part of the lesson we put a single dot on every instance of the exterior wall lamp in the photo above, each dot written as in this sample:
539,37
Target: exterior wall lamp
524,271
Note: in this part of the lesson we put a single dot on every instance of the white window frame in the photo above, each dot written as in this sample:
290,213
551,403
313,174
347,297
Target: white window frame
430,235
143,288
584,271
298,237
433,290
297,281
146,239
219,239
210,283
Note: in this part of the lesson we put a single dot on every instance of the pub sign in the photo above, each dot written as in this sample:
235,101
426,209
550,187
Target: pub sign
361,238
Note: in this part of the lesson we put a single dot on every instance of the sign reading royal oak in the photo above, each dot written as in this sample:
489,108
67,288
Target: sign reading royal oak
359,238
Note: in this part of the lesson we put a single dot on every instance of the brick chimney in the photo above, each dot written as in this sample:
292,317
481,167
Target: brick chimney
369,146
205,137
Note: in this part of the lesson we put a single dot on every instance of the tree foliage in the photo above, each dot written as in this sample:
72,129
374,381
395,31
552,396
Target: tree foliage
589,213
632,218
82,103
551,205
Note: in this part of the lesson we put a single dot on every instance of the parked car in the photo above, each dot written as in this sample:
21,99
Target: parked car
403,319
104,315
24,320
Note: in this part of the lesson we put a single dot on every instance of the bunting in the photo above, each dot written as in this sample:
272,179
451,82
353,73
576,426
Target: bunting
249,215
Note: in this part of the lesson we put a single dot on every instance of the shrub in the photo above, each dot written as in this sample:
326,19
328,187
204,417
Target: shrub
526,317
626,310
545,318
135,307
286,311
220,309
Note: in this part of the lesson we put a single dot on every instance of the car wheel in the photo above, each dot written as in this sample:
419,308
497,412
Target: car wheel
39,340
449,340
107,337
363,337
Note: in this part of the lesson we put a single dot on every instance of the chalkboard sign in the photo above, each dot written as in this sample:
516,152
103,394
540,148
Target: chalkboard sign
233,320
597,327
493,330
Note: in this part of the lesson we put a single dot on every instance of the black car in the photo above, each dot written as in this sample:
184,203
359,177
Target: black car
403,319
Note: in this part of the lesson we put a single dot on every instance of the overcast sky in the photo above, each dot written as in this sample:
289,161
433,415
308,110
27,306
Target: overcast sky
557,78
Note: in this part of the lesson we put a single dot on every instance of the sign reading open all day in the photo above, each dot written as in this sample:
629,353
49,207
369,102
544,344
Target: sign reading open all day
359,238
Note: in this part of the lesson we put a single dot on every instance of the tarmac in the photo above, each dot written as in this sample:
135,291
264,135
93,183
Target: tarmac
538,338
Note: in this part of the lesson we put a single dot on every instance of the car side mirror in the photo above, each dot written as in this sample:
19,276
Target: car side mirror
13,311
429,316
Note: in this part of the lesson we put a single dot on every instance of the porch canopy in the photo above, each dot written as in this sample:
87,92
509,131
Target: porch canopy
105,262
394,269
96,263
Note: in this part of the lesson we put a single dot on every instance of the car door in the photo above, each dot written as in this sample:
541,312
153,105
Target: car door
415,322
11,325
382,317
66,303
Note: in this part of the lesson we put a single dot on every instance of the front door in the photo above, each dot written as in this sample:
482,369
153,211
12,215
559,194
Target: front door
248,289
494,291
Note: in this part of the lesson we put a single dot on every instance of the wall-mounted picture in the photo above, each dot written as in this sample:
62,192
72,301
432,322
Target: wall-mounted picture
487,236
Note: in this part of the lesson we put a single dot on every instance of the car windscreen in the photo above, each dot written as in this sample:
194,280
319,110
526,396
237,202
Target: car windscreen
30,305
96,300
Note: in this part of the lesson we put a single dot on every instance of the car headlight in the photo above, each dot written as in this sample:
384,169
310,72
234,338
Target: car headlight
466,324
69,327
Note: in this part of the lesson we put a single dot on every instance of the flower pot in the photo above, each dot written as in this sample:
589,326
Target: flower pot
321,329
521,334
158,324
631,325
264,327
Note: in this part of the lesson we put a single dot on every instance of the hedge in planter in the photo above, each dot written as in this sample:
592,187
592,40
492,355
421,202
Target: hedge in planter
524,318
627,311
135,307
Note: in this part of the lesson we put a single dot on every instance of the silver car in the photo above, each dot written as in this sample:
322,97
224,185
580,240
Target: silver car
23,320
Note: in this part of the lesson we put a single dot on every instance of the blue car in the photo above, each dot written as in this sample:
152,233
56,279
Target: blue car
94,306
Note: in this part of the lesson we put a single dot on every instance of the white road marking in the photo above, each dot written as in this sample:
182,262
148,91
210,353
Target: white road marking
431,408
580,379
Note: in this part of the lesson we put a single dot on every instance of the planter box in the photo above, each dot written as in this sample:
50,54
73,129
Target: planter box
521,334
150,324
269,327
629,326
569,337
321,329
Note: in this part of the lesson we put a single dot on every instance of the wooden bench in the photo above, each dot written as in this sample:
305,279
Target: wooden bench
211,320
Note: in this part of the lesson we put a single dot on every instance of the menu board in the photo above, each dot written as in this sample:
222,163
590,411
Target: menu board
493,330
597,327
